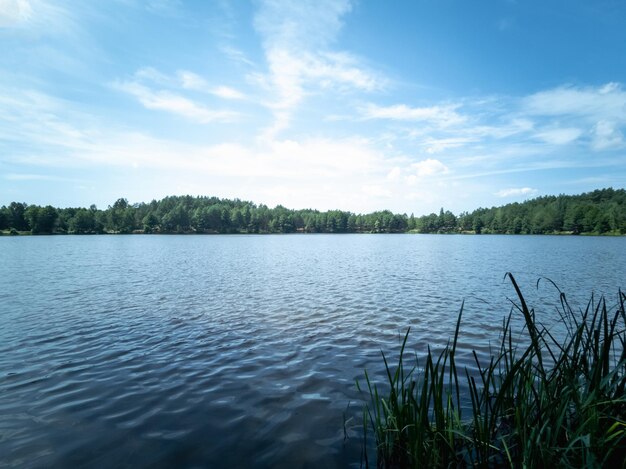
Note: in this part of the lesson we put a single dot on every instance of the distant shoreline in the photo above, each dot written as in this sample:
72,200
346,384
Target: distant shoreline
601,212
7,233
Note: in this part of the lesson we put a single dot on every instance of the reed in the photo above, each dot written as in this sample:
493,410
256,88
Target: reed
537,402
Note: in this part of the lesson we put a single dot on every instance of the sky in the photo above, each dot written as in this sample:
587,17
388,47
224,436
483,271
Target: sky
329,104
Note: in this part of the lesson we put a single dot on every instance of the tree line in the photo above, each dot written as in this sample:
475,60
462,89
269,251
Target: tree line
598,212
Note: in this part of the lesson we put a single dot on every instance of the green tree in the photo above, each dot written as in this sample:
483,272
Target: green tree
574,217
412,223
150,223
41,220
17,219
603,224
118,219
237,220
83,221
4,218
478,225
449,222
177,220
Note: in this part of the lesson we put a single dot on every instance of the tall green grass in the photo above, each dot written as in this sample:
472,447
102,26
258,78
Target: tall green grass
539,401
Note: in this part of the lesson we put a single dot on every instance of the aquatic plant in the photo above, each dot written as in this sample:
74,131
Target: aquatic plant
539,401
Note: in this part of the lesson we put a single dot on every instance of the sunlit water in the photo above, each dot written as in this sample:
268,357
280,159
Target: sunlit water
238,351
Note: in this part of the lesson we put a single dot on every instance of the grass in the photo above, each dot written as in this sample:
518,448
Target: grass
537,402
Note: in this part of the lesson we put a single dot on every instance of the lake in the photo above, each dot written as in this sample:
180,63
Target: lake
243,351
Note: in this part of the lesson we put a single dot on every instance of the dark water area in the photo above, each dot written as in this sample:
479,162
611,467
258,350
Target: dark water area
243,351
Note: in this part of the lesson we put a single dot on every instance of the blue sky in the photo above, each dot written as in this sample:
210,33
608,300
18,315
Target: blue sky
356,105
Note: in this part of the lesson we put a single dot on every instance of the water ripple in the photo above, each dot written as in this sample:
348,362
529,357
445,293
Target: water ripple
217,351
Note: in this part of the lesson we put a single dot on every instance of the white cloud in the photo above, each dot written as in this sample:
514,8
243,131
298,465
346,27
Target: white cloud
294,75
176,104
607,101
394,174
29,177
429,167
599,111
14,12
606,136
511,127
515,192
321,173
438,145
166,8
236,55
480,138
444,115
193,81
377,191
306,24
591,119
318,172
227,92
296,40
48,18
341,68
153,75
324,173
559,136
187,81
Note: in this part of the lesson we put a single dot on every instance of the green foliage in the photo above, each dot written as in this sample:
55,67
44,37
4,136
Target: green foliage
538,402
4,218
41,219
17,220
150,223
84,221
598,212
121,217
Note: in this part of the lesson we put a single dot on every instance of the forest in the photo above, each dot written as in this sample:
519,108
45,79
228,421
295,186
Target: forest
599,212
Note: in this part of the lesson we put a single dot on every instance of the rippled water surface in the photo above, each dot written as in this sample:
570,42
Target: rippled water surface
238,351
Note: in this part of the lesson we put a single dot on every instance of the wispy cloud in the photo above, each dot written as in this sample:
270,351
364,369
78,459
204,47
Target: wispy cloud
429,167
443,115
494,136
606,135
377,191
159,91
438,145
307,24
517,192
166,8
152,75
349,173
607,101
29,117
314,172
317,124
193,81
236,55
226,92
559,136
14,12
44,18
297,39
599,112
174,103
30,177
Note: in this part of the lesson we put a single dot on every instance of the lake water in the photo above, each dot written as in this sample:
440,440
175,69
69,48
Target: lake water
240,351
